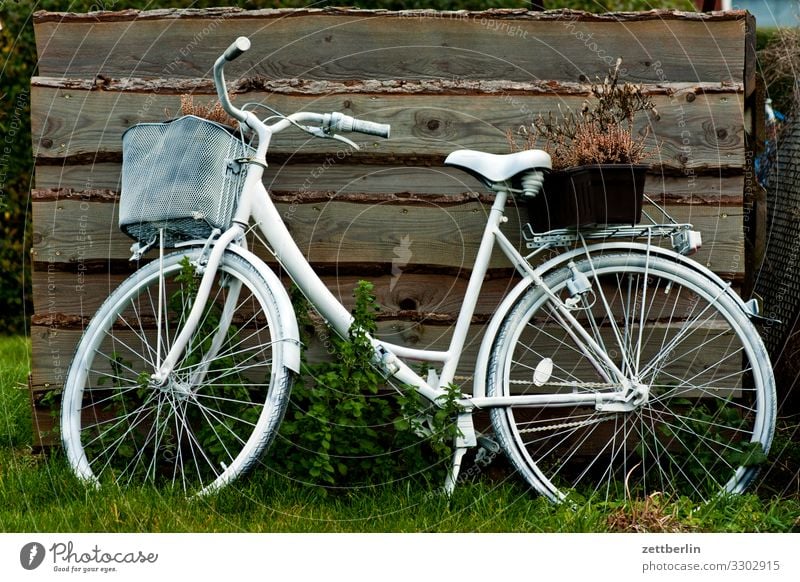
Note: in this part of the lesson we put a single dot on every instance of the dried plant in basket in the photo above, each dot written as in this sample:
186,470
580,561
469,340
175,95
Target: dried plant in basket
600,133
212,110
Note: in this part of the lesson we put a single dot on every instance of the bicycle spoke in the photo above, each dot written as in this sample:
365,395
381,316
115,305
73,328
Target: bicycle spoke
690,413
197,437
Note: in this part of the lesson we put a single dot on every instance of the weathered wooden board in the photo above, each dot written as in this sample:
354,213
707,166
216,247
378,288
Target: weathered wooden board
708,132
68,299
75,231
67,296
53,348
347,44
289,179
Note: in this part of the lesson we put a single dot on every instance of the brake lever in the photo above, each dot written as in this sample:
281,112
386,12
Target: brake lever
342,139
319,132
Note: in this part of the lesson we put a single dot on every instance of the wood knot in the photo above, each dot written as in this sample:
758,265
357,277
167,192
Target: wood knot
407,304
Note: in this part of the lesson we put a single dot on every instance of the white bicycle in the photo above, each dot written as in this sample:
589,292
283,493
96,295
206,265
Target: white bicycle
615,364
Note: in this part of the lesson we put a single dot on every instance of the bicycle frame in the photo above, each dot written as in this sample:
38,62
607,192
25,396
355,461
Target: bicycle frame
256,205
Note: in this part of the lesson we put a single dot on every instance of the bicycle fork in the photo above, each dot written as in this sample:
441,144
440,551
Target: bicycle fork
160,377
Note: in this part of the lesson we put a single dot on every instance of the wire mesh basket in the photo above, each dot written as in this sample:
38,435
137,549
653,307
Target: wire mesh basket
181,176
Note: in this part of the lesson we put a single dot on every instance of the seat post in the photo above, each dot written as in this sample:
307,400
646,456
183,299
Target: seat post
475,283
500,190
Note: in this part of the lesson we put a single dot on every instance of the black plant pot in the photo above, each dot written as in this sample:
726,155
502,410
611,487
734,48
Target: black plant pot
589,195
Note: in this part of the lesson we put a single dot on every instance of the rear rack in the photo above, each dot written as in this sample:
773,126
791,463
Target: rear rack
684,240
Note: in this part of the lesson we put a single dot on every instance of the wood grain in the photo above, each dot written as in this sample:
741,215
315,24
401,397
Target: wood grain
61,296
444,80
706,132
68,300
338,45
74,232
52,348
290,179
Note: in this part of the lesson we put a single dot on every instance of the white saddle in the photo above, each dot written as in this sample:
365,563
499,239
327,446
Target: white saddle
493,168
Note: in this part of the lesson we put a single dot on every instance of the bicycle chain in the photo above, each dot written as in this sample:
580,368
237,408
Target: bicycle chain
575,424
570,384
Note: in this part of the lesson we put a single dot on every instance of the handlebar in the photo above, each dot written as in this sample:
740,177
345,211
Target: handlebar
234,51
331,122
239,46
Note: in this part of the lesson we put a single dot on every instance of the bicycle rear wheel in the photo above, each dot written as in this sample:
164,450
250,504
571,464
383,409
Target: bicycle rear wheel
218,411
707,418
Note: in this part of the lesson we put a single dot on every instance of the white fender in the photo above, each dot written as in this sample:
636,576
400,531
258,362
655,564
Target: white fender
482,361
287,321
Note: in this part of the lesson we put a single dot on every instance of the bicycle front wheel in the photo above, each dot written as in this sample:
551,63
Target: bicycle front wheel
704,416
218,411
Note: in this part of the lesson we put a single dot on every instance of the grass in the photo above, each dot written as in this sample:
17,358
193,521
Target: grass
39,493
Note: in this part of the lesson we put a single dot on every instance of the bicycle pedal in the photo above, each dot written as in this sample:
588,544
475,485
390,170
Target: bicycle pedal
488,444
488,449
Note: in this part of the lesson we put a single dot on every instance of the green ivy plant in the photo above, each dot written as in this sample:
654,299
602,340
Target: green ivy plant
346,426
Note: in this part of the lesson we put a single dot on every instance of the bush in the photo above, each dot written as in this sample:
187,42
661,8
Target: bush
18,54
346,427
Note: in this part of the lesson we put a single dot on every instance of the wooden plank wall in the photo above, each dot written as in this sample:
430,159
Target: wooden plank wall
390,213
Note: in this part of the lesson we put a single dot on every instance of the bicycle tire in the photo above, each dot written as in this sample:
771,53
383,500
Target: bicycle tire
117,427
709,417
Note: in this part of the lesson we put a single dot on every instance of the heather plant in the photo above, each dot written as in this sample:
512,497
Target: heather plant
212,110
601,132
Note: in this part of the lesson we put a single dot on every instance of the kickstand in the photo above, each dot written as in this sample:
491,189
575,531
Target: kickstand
466,439
452,475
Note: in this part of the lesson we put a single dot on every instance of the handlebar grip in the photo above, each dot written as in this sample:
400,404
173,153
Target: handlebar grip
236,49
372,128
341,122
